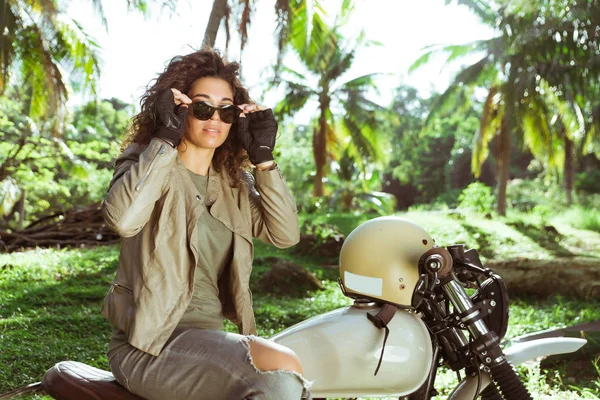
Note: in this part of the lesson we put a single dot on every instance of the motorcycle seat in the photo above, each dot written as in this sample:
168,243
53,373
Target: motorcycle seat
72,380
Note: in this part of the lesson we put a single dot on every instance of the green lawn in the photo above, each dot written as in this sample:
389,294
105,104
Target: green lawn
50,299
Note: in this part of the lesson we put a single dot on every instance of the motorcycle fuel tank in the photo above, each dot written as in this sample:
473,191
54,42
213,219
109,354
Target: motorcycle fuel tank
340,350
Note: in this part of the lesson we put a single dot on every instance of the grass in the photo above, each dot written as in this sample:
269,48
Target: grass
517,236
50,299
49,310
583,218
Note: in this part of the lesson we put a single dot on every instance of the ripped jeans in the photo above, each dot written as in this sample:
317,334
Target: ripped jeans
203,364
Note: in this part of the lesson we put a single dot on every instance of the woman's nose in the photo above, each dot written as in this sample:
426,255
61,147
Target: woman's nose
216,116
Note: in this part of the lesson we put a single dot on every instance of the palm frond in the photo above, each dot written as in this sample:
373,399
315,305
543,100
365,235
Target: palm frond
296,22
423,59
98,6
362,82
332,139
592,132
47,7
139,5
480,8
8,30
361,125
295,98
309,33
489,124
42,74
283,12
336,65
353,96
538,136
49,47
470,75
363,143
293,73
79,52
343,15
489,46
245,22
453,52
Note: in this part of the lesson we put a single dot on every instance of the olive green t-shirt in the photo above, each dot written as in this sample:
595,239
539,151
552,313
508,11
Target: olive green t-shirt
214,254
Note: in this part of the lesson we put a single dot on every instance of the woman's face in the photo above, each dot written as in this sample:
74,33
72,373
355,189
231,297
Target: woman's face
211,133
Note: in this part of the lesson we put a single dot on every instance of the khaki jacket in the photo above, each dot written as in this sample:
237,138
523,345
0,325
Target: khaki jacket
152,203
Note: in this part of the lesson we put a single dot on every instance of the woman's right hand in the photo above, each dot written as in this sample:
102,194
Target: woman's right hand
171,111
180,98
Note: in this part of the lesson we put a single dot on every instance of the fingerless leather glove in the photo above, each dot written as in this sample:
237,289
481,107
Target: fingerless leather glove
257,134
170,118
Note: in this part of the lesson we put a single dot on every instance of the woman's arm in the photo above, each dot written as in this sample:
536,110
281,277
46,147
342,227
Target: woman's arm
138,182
274,212
141,173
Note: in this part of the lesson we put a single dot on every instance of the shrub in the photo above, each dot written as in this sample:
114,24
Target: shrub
588,181
477,197
320,239
448,199
524,195
543,212
589,200
583,218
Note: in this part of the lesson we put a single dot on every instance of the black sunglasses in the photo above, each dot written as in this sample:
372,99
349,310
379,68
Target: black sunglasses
204,111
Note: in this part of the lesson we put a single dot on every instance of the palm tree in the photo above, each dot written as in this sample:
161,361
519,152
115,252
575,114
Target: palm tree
345,117
554,137
562,46
355,189
514,66
305,12
42,48
42,52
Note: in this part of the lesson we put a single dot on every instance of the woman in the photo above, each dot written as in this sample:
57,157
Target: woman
187,208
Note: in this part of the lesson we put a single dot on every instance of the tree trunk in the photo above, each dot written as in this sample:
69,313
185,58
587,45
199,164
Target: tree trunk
569,170
217,13
503,164
320,142
318,154
21,209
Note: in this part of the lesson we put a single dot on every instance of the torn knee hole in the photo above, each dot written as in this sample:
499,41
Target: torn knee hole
267,356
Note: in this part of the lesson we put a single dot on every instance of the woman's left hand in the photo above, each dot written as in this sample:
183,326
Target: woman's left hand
258,130
250,108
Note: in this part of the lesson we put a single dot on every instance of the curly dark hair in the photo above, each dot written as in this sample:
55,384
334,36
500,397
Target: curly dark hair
181,73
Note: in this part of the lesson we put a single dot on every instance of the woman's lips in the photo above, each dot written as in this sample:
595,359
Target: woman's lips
211,131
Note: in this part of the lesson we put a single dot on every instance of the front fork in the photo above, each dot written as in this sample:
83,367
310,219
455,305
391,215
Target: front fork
485,345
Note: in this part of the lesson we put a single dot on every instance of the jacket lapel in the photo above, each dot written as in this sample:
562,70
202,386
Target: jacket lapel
223,201
192,206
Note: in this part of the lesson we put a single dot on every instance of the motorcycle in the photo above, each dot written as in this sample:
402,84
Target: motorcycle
417,308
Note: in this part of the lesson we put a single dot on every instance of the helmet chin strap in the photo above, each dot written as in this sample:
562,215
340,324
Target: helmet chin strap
381,320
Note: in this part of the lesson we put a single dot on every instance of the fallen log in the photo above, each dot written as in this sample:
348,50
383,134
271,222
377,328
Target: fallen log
73,228
573,277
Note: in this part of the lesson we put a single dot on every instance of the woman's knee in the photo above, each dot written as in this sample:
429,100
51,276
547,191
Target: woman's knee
270,356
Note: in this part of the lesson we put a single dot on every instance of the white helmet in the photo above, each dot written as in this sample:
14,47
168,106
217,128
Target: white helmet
379,260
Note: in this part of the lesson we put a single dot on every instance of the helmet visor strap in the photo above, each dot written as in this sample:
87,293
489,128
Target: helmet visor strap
381,320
